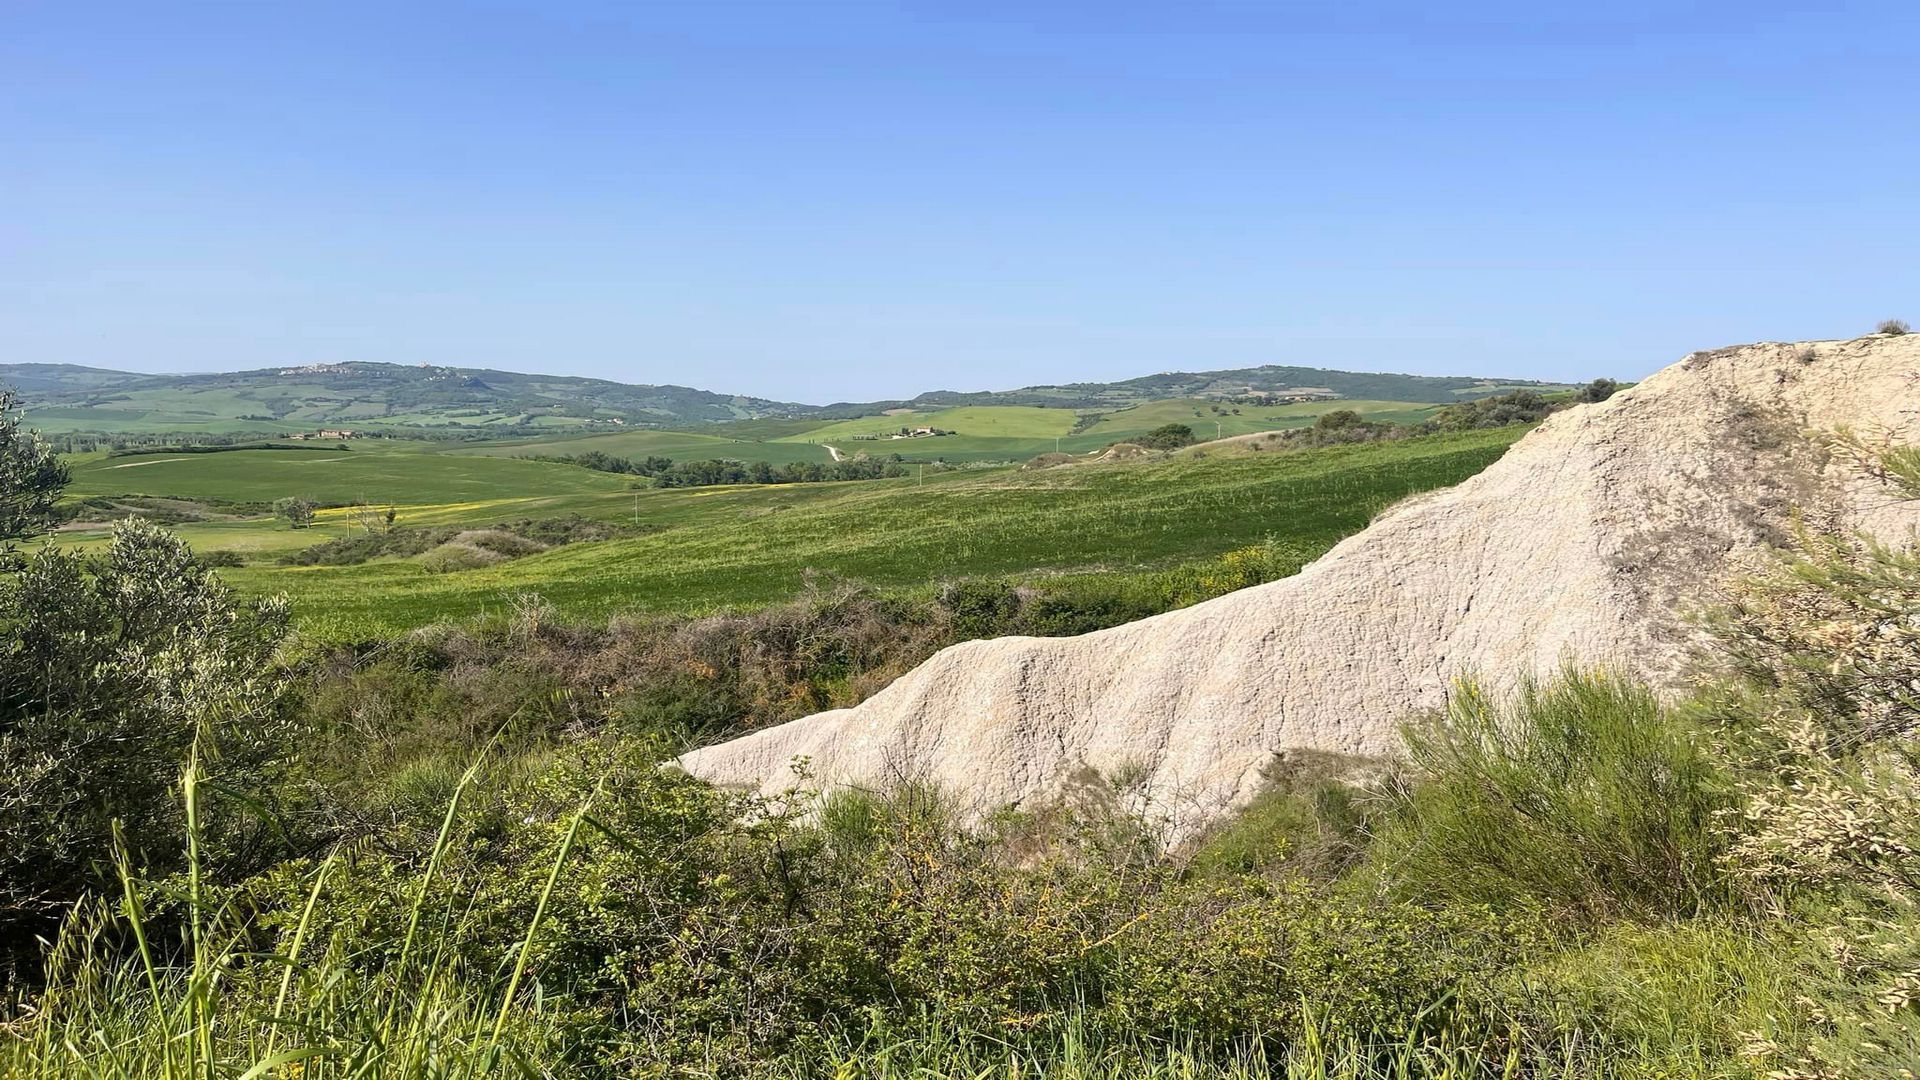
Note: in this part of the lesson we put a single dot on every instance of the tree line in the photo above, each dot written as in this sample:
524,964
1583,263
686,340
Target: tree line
666,472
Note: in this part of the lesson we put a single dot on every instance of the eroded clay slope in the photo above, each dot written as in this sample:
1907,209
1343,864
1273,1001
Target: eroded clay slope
1585,540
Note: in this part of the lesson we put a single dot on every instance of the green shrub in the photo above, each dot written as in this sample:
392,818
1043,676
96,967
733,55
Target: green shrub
452,558
528,536
1243,568
500,542
1518,407
1820,715
1165,437
1234,960
1698,999
979,607
1339,420
1596,391
112,667
351,550
236,998
298,512
1817,719
31,479
218,559
1584,795
1310,818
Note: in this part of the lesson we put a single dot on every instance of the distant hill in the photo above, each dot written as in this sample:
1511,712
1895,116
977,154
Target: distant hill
1270,379
361,395
66,397
40,380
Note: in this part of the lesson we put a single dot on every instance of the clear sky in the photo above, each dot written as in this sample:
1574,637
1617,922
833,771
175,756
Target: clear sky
821,201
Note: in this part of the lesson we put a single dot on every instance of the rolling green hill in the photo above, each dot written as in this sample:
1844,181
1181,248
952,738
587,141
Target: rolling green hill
1020,432
359,395
485,403
1010,433
1274,379
45,379
718,547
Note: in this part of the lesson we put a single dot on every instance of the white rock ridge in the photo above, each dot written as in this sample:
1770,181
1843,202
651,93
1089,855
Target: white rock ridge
1586,540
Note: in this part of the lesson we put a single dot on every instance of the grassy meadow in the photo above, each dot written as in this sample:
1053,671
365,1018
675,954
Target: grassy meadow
678,445
744,545
1211,419
129,418
749,545
984,421
372,471
1005,433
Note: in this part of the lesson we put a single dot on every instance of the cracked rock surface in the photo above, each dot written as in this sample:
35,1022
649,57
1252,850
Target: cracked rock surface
1590,539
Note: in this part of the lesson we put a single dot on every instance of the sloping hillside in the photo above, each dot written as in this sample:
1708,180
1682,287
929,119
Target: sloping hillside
45,381
1227,383
291,398
65,397
1589,538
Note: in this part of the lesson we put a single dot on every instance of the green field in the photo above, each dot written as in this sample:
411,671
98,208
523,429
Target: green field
983,421
751,545
54,420
678,445
373,472
1214,419
983,433
1017,433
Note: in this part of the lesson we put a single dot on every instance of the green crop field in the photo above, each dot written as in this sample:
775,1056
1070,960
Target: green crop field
750,545
982,432
373,472
1211,419
678,445
985,421
1016,433
53,420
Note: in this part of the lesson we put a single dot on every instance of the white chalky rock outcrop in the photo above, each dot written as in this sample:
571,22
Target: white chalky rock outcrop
1588,539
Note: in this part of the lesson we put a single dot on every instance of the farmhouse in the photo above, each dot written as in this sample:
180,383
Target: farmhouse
327,433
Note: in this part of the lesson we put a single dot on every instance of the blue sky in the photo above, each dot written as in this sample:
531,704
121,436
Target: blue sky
852,201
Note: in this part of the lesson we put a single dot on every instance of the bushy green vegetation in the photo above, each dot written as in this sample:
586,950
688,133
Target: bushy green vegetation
561,906
1166,437
31,479
1345,426
666,472
684,680
1587,763
747,440
1519,407
535,534
112,667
